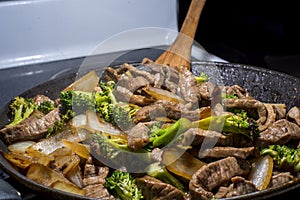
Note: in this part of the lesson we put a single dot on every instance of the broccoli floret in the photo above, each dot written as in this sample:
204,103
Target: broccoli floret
160,137
46,106
158,171
21,108
202,78
238,123
284,157
123,115
60,124
123,186
78,101
114,151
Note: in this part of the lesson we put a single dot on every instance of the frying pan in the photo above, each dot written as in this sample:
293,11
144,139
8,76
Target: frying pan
265,85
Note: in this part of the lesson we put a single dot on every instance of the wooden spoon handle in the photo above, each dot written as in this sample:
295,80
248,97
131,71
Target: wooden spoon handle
179,53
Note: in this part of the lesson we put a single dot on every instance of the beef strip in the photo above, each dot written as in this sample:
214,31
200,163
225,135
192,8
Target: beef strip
248,104
223,152
34,127
188,86
237,90
240,186
294,115
125,95
148,113
215,174
279,132
280,110
206,90
280,179
271,117
138,137
196,136
40,98
154,189
94,179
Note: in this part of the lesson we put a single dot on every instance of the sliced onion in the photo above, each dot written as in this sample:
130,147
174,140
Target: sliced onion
78,148
49,145
261,173
96,124
160,94
78,121
87,83
20,147
181,163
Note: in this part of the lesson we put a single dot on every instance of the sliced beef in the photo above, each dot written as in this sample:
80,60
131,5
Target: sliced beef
280,179
188,86
249,105
34,127
93,181
40,98
221,193
279,132
294,115
125,95
138,137
223,152
280,110
171,79
206,90
240,186
213,175
156,155
236,90
197,114
148,113
133,71
196,136
154,189
271,117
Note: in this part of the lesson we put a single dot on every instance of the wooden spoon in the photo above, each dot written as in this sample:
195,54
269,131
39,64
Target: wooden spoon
179,53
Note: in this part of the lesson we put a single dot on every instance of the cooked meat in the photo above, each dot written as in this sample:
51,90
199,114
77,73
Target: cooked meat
40,98
206,89
237,90
222,192
150,112
97,191
240,186
280,178
156,155
213,175
294,115
171,79
197,114
223,152
280,132
248,104
34,127
280,110
125,95
188,86
138,137
271,117
154,189
173,109
130,69
196,136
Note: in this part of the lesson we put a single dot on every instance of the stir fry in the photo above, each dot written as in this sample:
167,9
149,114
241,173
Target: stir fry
153,132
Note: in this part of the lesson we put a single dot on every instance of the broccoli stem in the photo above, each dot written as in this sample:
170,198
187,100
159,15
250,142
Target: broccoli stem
162,137
157,171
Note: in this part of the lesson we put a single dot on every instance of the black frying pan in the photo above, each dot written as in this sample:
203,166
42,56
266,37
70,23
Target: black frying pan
265,85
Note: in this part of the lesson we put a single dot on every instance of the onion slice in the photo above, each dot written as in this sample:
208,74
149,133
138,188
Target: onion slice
87,83
261,173
160,94
181,163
